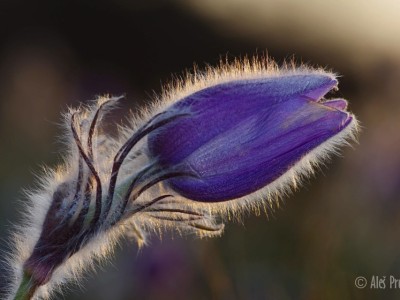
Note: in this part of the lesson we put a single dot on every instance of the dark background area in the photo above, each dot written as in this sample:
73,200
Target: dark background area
342,224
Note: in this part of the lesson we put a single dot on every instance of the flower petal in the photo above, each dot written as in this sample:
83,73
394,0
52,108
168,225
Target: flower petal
243,135
340,104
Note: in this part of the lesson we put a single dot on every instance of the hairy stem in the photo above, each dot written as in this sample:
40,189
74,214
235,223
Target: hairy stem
89,163
123,152
26,289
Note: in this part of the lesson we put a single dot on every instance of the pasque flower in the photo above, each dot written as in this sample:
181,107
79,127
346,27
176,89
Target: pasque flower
221,142
244,134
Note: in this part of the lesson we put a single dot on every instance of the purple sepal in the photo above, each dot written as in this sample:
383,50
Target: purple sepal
57,242
242,135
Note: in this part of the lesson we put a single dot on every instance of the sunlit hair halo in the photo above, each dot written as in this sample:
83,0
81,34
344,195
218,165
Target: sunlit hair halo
214,145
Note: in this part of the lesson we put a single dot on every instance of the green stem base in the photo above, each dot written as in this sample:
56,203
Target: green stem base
26,289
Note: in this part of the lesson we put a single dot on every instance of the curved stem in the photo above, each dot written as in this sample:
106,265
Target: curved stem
26,289
89,163
123,152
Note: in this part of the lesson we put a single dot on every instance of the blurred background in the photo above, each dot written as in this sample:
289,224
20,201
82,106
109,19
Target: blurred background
342,224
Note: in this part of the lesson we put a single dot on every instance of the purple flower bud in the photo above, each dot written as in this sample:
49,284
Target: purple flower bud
234,132
243,135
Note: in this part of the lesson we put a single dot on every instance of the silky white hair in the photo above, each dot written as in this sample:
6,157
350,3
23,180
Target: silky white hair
174,212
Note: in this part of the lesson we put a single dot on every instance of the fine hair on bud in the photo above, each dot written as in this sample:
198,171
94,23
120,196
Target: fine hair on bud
215,145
